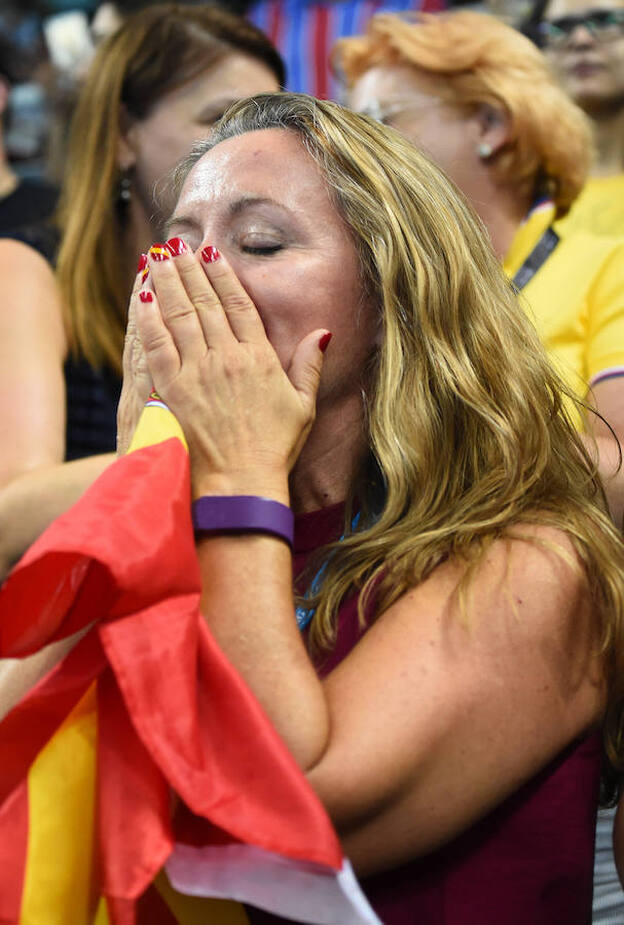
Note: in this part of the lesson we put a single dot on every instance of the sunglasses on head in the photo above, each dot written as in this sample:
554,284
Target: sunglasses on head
603,25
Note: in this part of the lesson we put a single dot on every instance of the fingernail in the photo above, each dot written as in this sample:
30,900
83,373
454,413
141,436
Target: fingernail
324,341
159,252
143,268
176,246
210,254
146,296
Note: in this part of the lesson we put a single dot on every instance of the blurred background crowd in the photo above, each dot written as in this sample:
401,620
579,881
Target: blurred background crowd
46,51
46,47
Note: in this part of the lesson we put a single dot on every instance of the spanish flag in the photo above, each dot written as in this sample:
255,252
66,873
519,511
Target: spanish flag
140,780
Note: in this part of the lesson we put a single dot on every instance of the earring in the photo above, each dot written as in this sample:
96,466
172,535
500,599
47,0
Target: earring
484,150
125,189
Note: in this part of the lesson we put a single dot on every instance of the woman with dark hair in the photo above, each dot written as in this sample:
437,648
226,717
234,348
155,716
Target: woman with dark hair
155,86
583,42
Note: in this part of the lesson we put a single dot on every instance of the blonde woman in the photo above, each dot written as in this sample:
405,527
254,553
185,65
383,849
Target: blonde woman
479,98
338,341
155,86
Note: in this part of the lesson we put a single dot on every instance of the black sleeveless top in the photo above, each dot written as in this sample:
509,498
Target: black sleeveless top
92,397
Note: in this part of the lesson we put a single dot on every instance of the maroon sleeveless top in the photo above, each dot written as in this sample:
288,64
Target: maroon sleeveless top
529,862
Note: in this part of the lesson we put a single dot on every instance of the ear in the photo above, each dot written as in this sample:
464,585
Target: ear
126,141
494,128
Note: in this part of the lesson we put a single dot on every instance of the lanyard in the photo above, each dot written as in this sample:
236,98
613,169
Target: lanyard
536,259
305,614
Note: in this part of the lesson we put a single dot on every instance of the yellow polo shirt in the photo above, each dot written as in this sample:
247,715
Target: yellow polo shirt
575,299
599,209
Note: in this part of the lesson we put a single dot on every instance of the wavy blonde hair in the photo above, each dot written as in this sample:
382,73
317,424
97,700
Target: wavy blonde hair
467,431
477,60
158,49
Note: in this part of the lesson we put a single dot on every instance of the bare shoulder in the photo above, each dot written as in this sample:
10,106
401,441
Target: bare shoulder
529,588
16,256
540,564
30,305
479,677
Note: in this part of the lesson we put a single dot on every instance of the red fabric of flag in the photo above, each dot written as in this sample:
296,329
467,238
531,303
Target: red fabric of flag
175,720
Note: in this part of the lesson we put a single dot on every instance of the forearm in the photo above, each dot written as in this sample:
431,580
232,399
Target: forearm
247,601
30,503
19,675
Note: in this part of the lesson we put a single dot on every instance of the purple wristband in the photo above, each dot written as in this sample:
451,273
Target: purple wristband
243,514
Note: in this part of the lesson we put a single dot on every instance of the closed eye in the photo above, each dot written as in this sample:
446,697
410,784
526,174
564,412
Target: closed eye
263,251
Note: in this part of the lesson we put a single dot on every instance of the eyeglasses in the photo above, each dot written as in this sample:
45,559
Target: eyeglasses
387,112
603,25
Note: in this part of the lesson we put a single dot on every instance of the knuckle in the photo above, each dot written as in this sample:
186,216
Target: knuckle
309,413
233,364
265,361
155,342
177,312
205,301
236,302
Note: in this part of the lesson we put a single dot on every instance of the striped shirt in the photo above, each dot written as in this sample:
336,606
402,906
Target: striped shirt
304,32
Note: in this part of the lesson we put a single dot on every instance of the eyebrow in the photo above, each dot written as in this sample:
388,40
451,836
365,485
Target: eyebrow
249,202
236,208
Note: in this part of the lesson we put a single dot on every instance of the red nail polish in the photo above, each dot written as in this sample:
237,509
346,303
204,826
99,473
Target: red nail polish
144,275
142,263
210,254
324,341
159,252
176,246
146,296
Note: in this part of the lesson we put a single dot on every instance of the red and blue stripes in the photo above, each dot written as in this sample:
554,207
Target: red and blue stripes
304,31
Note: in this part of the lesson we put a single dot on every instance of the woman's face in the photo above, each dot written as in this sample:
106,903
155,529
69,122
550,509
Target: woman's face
401,97
261,199
156,144
588,61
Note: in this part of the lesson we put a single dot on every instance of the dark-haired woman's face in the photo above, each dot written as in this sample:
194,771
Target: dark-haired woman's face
155,144
585,48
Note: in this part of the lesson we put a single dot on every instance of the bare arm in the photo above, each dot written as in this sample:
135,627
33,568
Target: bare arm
30,503
19,675
32,351
35,485
608,399
428,723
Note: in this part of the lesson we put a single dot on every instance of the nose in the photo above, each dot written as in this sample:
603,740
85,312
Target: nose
581,37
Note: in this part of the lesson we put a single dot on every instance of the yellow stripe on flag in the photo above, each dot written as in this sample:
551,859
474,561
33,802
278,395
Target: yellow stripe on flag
155,425
58,885
101,917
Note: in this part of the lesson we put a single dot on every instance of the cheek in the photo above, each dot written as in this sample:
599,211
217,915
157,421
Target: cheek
163,145
292,302
618,69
